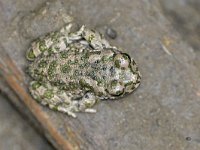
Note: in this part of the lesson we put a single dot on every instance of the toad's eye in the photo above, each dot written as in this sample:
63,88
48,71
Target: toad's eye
115,88
122,60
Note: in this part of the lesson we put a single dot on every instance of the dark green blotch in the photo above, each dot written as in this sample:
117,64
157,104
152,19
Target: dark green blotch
117,63
104,68
51,73
77,73
54,37
55,108
53,65
76,51
48,94
85,85
92,74
65,68
36,85
82,66
99,81
36,72
64,54
107,59
57,48
129,83
50,51
71,62
114,83
64,87
91,37
42,64
83,58
42,46
100,93
73,85
30,55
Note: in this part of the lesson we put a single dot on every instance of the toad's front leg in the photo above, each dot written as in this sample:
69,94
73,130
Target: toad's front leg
51,96
54,42
87,102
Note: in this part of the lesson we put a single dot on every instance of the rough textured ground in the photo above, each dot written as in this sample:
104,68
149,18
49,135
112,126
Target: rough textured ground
185,17
16,133
164,112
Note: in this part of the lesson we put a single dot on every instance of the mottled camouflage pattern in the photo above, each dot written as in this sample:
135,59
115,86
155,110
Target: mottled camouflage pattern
71,71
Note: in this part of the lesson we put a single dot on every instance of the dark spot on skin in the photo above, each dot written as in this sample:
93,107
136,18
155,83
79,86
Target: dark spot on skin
104,77
77,73
83,58
112,70
64,54
92,75
111,33
81,66
86,96
104,68
36,71
97,61
69,61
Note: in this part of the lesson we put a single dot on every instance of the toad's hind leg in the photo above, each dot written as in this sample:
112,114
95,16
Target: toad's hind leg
51,96
53,42
59,100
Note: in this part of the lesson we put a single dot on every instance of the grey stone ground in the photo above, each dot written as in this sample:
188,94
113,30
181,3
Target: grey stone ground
185,16
17,134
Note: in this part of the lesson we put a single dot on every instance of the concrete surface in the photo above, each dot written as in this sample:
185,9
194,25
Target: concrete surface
164,112
16,133
185,17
